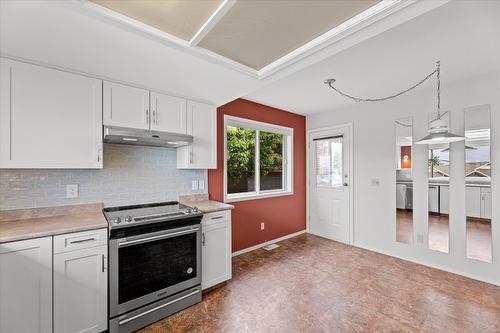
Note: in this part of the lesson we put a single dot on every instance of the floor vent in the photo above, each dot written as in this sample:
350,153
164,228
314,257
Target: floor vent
270,247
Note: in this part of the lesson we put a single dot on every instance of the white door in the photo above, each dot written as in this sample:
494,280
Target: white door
26,286
80,291
329,207
49,118
125,106
216,253
168,113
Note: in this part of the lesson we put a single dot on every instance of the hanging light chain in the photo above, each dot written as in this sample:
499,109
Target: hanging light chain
330,82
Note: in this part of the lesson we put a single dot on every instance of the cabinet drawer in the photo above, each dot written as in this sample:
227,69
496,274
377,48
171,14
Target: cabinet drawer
216,217
80,240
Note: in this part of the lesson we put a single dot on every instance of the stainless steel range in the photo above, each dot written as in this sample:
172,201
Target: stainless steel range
154,262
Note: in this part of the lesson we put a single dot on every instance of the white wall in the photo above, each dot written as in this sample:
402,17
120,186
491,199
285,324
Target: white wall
375,206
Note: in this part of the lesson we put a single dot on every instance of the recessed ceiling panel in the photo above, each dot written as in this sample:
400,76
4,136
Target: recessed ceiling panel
256,33
181,18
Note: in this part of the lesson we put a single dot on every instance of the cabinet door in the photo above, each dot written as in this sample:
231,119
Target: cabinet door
26,286
125,106
168,113
202,125
49,118
472,201
216,253
444,199
80,290
486,203
433,199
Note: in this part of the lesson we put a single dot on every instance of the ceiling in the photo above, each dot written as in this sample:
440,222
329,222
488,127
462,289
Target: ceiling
462,34
252,33
256,33
181,18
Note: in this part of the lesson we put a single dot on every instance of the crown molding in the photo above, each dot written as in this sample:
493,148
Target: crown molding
150,32
364,22
212,21
376,19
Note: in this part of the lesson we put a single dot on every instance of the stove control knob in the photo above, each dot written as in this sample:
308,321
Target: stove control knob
195,209
128,218
189,210
116,220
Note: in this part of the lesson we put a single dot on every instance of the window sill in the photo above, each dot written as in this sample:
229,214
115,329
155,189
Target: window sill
245,197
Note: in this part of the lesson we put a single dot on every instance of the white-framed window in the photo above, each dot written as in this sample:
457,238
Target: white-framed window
258,159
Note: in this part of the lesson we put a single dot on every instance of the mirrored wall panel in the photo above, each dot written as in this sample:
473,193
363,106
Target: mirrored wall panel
478,182
404,180
439,194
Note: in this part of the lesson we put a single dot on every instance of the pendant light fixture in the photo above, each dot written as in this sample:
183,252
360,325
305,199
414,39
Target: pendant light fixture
438,127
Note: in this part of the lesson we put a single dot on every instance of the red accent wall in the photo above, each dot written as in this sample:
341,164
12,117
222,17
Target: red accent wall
405,151
282,215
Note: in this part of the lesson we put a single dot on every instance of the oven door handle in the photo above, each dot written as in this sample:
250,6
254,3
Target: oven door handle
152,238
124,321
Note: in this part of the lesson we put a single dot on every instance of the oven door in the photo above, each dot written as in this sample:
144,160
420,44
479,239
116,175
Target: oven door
148,267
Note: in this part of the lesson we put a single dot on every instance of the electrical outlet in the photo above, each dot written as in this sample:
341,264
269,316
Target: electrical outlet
375,182
201,184
420,238
72,191
194,184
262,226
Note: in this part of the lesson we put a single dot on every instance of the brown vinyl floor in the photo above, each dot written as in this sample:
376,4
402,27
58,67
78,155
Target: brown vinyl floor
311,284
478,234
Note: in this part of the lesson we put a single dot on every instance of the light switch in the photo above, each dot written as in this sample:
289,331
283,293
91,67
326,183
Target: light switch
72,191
194,184
375,182
201,184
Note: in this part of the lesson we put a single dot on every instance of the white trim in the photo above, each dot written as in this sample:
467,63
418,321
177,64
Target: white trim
212,21
365,22
351,176
159,35
276,240
346,29
288,144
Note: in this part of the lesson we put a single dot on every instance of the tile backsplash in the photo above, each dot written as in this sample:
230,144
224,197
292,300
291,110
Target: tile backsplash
131,174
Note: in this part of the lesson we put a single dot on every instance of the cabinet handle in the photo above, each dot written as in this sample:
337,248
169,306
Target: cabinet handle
99,154
190,157
82,240
217,217
155,117
203,239
103,263
147,116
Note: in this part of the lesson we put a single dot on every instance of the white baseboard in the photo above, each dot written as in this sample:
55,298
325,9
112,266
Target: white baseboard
258,246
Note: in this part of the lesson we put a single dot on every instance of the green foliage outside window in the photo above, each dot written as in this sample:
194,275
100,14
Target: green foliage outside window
241,153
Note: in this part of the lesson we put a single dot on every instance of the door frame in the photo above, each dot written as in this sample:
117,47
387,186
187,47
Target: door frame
309,132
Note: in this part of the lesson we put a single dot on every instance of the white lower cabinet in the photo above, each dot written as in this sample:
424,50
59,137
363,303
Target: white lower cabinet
216,248
434,199
473,201
26,286
400,196
80,290
486,203
64,292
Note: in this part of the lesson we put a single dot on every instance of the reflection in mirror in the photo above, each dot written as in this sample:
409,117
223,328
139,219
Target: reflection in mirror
404,180
478,183
439,194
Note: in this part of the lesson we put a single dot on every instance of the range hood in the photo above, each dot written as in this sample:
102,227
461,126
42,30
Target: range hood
140,137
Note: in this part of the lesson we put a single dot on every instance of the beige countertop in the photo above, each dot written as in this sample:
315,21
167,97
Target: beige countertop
20,224
203,203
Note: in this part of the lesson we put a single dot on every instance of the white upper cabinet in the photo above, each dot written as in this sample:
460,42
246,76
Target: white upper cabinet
168,113
202,125
26,286
125,106
49,118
